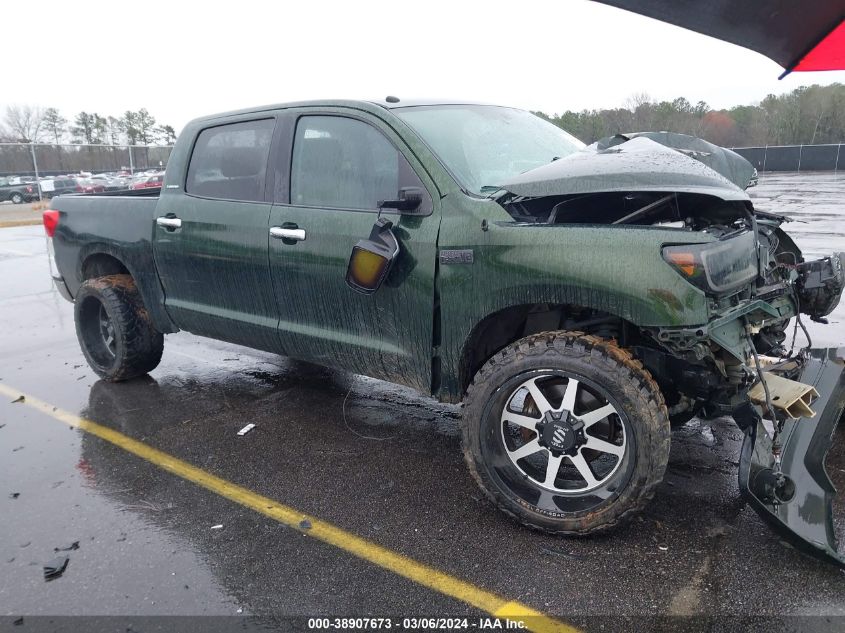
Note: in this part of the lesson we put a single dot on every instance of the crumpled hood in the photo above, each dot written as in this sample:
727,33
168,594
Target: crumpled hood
720,159
640,164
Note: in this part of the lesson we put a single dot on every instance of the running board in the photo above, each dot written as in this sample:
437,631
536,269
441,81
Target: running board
797,503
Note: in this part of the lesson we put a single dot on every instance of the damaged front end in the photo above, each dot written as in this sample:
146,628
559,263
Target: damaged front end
754,281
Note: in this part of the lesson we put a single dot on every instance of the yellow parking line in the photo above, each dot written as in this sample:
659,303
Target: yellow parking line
326,532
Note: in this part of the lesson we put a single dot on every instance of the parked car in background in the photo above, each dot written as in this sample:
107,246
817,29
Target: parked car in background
109,181
57,186
86,185
17,191
149,182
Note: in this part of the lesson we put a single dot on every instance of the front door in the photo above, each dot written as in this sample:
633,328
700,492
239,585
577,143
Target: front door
211,239
340,166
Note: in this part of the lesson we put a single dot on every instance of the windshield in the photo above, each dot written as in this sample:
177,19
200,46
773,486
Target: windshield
483,146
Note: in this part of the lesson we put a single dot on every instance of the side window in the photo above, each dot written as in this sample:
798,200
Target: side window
344,163
230,161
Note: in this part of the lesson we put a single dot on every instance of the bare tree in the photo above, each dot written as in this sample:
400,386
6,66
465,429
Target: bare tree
24,122
6,136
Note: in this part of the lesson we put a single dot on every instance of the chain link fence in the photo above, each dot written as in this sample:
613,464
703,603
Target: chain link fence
795,157
40,159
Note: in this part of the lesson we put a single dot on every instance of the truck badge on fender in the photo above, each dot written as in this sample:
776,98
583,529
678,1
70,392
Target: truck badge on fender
456,257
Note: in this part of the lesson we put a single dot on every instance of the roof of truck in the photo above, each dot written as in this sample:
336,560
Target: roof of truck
366,103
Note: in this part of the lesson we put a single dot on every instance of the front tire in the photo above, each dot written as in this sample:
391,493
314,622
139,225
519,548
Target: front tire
114,329
16,198
567,433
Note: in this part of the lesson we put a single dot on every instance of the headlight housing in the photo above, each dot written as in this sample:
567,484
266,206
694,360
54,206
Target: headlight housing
716,267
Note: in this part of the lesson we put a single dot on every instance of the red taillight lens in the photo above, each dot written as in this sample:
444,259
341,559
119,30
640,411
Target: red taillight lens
29,189
51,221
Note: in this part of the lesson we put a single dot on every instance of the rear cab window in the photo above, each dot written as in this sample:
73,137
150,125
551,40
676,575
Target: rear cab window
229,161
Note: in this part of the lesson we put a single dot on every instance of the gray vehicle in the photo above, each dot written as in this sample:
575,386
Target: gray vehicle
18,192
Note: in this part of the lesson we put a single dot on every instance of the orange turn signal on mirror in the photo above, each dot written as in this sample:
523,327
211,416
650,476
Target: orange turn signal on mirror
366,269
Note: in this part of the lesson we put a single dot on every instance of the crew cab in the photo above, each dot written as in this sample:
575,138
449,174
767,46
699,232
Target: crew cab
578,301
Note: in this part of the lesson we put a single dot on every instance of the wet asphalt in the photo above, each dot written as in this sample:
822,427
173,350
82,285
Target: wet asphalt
372,458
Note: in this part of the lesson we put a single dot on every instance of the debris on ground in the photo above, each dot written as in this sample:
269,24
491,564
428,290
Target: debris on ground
219,526
246,429
19,399
55,568
67,548
305,524
663,548
14,495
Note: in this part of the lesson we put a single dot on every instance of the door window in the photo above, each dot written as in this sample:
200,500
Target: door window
344,163
230,161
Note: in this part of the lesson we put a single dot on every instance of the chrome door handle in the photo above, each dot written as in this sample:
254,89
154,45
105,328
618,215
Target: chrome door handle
169,223
287,234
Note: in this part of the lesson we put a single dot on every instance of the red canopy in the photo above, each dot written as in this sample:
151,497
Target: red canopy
829,54
797,34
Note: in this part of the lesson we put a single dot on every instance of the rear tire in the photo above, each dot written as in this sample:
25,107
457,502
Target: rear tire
114,329
16,198
566,433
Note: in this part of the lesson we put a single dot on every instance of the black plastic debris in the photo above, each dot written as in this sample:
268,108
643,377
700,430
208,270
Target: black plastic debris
55,568
19,399
14,495
18,621
68,548
305,524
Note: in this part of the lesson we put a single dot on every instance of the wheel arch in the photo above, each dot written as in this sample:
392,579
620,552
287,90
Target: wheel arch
506,325
100,264
100,259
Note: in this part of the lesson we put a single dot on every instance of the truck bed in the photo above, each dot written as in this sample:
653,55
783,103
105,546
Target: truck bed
119,222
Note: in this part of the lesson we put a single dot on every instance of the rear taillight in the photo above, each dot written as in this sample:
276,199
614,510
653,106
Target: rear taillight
51,221
29,189
80,189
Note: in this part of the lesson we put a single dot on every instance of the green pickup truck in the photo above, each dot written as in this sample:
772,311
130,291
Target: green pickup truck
578,301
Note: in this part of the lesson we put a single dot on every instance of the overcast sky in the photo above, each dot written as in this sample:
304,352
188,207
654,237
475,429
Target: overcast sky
184,59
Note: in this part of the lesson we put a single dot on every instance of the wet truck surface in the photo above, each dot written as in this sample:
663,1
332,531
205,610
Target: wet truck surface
578,301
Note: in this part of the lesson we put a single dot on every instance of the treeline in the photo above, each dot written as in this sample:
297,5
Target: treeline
32,124
807,115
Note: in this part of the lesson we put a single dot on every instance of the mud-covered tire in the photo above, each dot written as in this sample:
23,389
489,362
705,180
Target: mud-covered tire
114,329
600,366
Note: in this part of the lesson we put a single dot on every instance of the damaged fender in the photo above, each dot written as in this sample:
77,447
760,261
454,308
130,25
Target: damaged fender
798,505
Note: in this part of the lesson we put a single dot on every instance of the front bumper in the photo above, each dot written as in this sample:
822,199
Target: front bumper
798,503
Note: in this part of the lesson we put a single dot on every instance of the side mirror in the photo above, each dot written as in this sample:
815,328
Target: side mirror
410,199
372,258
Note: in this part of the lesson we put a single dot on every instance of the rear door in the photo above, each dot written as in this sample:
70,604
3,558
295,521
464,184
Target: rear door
333,166
211,237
